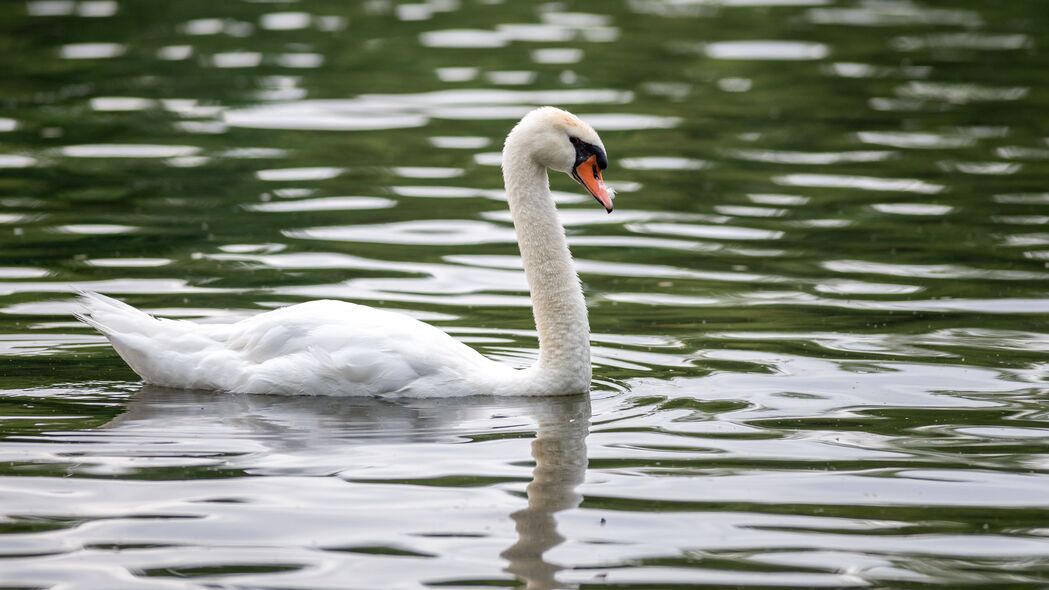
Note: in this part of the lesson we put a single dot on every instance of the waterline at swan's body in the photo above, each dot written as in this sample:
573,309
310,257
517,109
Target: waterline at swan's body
339,348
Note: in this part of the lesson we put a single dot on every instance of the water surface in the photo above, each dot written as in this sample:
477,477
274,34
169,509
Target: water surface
819,309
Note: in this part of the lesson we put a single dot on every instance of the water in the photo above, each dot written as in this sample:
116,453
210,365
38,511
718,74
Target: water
818,311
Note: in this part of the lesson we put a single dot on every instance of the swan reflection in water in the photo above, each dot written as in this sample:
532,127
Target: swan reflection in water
559,450
284,435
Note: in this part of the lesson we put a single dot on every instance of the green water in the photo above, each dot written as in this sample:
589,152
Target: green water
819,309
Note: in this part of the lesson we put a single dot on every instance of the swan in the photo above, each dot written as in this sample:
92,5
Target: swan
339,348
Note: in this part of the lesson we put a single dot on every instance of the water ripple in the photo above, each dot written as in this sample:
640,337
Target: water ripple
867,183
771,50
371,112
930,271
323,204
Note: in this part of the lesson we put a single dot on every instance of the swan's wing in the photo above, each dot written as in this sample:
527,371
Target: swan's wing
321,347
339,347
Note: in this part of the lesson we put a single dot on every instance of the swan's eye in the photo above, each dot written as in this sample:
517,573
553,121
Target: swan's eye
574,140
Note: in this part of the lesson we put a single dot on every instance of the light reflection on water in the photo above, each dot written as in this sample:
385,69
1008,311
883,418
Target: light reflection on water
323,461
819,342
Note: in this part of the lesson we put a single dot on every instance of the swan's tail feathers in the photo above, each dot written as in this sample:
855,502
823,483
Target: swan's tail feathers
126,328
109,316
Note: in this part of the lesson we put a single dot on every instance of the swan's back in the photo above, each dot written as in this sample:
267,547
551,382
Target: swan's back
321,347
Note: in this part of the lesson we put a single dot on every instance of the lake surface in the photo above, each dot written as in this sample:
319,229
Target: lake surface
820,309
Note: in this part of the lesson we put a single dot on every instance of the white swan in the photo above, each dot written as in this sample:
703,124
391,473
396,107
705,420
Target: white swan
339,348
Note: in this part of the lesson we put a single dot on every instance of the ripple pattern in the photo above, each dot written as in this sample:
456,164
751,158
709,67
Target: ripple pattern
818,311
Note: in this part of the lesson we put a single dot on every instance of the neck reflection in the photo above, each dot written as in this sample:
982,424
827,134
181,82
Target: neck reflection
559,450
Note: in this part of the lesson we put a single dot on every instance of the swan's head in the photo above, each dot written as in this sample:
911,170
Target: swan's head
561,141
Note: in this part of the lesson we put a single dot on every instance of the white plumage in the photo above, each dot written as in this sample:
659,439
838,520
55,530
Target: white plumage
339,348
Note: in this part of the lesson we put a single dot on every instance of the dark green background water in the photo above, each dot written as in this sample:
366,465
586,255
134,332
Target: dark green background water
819,310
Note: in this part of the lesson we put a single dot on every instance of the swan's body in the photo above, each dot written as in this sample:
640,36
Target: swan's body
338,348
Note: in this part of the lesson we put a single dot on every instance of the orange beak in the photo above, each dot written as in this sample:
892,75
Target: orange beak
589,175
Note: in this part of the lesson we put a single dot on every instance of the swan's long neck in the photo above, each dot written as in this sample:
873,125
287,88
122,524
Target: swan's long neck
557,297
